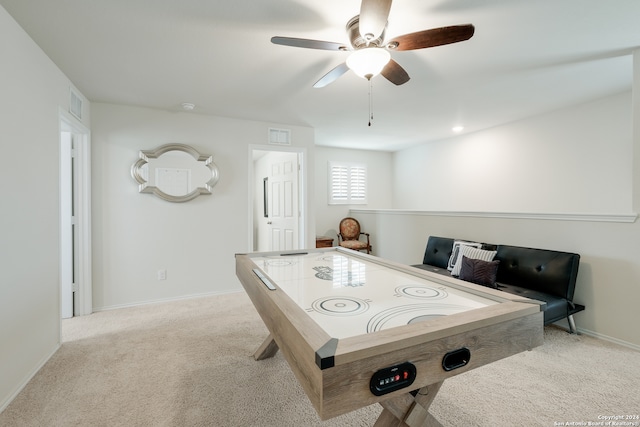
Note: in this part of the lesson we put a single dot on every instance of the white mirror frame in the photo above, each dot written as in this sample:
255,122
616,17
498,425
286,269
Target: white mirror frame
144,187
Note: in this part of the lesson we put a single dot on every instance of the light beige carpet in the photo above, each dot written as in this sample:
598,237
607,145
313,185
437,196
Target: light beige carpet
189,363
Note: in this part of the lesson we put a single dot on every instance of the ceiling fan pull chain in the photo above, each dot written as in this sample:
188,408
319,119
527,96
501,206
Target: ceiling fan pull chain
370,102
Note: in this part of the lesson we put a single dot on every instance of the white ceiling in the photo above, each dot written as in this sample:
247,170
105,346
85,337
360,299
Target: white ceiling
526,57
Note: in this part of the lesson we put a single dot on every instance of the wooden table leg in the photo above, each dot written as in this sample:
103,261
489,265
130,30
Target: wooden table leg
268,349
408,410
387,419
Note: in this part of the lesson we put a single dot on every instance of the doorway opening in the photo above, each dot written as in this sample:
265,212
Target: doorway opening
277,199
75,215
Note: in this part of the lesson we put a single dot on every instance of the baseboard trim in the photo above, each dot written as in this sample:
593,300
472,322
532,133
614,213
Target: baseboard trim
162,300
561,324
607,338
6,402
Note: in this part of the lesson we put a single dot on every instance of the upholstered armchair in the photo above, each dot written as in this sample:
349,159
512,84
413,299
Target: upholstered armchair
349,236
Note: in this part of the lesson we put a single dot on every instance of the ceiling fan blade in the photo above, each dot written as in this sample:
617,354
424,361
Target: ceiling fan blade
395,73
332,75
307,43
373,18
433,37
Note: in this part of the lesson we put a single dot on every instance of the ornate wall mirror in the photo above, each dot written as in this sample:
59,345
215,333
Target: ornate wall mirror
175,172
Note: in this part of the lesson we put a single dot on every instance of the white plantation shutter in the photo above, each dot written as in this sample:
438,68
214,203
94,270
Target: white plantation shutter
358,184
339,183
347,183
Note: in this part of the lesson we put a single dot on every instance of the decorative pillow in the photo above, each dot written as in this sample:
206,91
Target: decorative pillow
457,244
474,253
479,271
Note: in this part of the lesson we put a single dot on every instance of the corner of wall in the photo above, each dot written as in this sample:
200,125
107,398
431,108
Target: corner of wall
635,184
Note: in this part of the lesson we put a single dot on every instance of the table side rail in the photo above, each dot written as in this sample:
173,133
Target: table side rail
394,339
346,386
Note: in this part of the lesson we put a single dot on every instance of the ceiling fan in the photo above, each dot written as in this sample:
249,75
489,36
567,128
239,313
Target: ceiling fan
371,55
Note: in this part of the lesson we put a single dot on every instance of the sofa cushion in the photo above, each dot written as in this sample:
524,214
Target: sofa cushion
433,269
471,252
479,272
455,253
550,272
555,308
438,252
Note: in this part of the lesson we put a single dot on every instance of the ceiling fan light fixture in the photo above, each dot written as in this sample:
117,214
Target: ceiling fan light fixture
368,62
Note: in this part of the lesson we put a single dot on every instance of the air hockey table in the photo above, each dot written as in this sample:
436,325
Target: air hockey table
358,330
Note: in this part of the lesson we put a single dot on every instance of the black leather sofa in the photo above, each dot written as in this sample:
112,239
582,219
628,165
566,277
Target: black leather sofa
539,274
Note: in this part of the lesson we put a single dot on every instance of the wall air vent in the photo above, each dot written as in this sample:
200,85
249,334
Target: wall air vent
75,105
279,136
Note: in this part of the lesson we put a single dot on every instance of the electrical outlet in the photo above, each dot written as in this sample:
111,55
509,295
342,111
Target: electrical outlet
162,274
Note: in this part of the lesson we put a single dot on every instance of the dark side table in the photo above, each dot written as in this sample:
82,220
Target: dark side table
324,242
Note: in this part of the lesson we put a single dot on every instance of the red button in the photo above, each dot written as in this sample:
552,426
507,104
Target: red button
406,375
397,378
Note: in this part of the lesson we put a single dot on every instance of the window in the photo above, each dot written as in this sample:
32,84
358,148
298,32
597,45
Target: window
347,183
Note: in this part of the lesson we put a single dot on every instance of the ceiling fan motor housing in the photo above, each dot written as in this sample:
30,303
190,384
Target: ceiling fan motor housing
357,40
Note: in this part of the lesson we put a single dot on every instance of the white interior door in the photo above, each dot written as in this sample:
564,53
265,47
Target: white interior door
284,209
75,218
66,224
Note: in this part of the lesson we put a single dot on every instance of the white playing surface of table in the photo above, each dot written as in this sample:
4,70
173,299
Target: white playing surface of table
348,296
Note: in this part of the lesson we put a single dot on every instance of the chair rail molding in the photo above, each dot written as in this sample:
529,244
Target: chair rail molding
590,217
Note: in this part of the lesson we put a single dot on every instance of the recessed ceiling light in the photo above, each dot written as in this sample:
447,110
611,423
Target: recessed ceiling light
187,106
457,129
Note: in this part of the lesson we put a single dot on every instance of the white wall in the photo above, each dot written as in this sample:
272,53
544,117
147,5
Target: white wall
591,173
33,92
135,235
379,191
574,160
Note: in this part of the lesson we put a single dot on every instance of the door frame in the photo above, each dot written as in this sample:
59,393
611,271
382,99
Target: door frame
83,303
303,199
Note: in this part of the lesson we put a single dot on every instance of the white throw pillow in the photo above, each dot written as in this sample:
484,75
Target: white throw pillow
473,253
457,244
